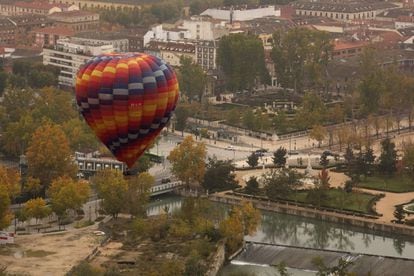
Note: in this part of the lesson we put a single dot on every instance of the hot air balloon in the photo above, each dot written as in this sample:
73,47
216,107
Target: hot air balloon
126,99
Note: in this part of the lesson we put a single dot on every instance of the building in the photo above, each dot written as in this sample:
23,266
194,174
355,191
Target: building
171,51
135,38
8,31
206,53
342,11
346,49
25,24
69,56
78,21
118,41
163,33
101,4
205,28
10,8
242,13
50,35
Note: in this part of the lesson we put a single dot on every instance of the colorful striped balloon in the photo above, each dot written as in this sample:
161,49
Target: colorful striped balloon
126,99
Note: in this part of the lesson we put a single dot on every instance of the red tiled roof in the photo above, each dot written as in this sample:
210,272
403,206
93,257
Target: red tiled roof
62,31
342,45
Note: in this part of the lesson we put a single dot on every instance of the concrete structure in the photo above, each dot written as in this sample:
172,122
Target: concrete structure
119,41
101,4
69,55
241,13
50,35
342,11
78,21
10,8
172,51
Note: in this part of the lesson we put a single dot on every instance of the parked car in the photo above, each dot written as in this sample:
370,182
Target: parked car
230,148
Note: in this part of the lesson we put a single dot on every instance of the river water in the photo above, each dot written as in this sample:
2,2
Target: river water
285,229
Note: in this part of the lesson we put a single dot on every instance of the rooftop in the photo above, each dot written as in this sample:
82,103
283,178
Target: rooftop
172,46
39,5
342,45
349,7
62,31
101,35
66,14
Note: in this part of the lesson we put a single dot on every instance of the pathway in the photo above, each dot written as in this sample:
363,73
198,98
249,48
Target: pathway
384,206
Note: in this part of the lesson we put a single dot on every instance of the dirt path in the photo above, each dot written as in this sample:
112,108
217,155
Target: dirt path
48,254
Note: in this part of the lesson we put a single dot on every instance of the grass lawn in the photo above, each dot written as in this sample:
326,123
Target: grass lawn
396,184
341,200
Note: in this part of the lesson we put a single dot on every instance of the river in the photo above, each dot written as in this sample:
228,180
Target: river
285,229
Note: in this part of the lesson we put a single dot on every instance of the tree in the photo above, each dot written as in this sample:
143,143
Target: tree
318,133
252,186
187,160
10,180
32,186
242,220
280,183
408,158
49,155
279,157
312,112
281,268
66,194
301,57
219,176
3,81
111,187
249,120
399,214
192,78
80,136
138,193
369,158
5,214
241,58
388,157
253,160
324,161
181,114
36,208
324,179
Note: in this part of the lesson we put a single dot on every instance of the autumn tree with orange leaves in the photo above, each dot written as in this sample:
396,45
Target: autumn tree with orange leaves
49,155
188,162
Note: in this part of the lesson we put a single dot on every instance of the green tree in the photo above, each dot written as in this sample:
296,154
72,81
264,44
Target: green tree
408,158
188,162
32,186
399,214
219,176
281,268
111,187
138,193
36,208
80,136
279,157
249,120
181,114
253,160
312,111
49,155
252,186
388,157
66,194
301,57
192,79
280,183
241,58
3,81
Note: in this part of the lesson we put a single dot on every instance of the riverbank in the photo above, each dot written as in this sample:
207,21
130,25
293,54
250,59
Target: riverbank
370,224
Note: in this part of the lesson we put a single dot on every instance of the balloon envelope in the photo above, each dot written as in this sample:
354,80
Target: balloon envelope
126,99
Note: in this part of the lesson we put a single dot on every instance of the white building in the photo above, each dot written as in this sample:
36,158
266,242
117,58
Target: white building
162,33
242,13
205,28
118,41
69,56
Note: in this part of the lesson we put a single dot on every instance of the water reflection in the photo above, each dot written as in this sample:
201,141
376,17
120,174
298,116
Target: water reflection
292,230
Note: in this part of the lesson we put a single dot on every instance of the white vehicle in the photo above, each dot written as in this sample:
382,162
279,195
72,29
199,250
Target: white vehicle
230,148
6,237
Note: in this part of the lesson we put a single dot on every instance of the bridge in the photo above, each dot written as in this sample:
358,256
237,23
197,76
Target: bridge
164,188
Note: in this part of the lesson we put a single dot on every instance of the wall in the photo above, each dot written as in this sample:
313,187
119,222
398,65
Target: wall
218,260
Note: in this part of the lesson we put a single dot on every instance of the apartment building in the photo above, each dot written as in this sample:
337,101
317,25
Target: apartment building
69,55
78,21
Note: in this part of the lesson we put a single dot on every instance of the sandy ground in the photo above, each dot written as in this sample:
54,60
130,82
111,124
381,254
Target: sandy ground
384,206
48,254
